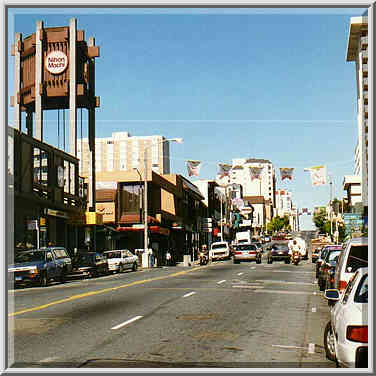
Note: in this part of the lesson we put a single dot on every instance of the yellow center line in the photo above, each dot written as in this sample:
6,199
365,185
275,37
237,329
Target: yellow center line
86,294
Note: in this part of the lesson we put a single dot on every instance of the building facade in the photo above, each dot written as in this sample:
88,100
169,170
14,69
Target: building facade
265,187
357,51
283,202
123,152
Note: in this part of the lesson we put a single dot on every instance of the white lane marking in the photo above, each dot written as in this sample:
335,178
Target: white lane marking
189,294
126,322
311,348
240,273
314,293
50,359
284,282
289,347
290,271
284,292
248,287
253,267
221,281
314,309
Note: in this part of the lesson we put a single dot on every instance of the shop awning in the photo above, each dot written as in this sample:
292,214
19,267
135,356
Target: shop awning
153,229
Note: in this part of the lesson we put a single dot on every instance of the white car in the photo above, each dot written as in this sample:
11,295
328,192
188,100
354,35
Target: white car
354,256
219,250
346,334
121,259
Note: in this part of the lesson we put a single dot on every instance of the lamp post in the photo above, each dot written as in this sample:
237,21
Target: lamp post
146,240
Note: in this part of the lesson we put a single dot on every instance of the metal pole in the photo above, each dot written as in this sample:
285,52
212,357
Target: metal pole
221,220
331,204
145,204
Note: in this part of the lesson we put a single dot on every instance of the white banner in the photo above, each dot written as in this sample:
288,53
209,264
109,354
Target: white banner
193,168
318,175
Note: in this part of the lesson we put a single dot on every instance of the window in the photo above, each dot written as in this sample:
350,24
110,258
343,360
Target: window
361,295
358,257
348,289
40,166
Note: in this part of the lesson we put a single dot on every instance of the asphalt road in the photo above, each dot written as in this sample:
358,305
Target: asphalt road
220,315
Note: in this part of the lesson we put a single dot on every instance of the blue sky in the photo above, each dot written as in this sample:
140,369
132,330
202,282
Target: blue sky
237,83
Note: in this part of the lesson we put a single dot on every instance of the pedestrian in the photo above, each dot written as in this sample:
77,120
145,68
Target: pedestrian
152,258
168,258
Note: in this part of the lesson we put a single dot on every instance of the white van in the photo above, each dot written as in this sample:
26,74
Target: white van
353,257
219,251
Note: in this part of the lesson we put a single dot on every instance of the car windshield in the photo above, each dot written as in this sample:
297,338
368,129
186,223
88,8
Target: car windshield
332,256
246,247
221,245
280,247
85,260
111,255
361,295
30,256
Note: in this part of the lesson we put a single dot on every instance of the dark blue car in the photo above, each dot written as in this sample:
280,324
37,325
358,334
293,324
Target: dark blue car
39,266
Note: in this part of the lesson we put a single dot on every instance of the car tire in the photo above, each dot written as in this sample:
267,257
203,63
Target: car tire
134,268
321,285
329,343
236,261
258,261
121,268
44,279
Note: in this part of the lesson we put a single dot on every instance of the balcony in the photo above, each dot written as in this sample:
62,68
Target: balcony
366,109
365,82
365,54
365,67
365,95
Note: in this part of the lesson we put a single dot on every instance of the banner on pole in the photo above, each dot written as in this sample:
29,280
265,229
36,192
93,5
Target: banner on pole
318,175
286,173
193,168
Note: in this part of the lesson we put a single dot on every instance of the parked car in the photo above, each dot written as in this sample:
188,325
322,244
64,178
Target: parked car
219,251
346,334
279,252
352,258
40,266
326,271
121,259
247,252
322,256
90,264
315,254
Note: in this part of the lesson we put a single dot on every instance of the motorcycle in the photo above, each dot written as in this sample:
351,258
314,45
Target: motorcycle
296,258
203,258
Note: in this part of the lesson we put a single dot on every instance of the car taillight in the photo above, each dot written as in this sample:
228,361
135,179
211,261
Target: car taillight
357,333
342,285
252,252
238,253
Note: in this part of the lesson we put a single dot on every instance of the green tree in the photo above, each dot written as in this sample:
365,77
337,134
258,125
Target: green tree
321,221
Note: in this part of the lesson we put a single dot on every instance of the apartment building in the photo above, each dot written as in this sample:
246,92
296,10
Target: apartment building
357,51
123,152
264,187
283,202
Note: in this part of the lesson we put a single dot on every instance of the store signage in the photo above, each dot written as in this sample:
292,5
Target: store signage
56,62
107,210
57,213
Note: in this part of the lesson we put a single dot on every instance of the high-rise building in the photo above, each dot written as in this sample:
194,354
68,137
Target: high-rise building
283,202
357,51
123,152
265,186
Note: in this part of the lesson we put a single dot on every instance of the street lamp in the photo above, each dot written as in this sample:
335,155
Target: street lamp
146,241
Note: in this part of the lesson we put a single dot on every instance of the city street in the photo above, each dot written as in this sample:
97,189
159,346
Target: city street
220,315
